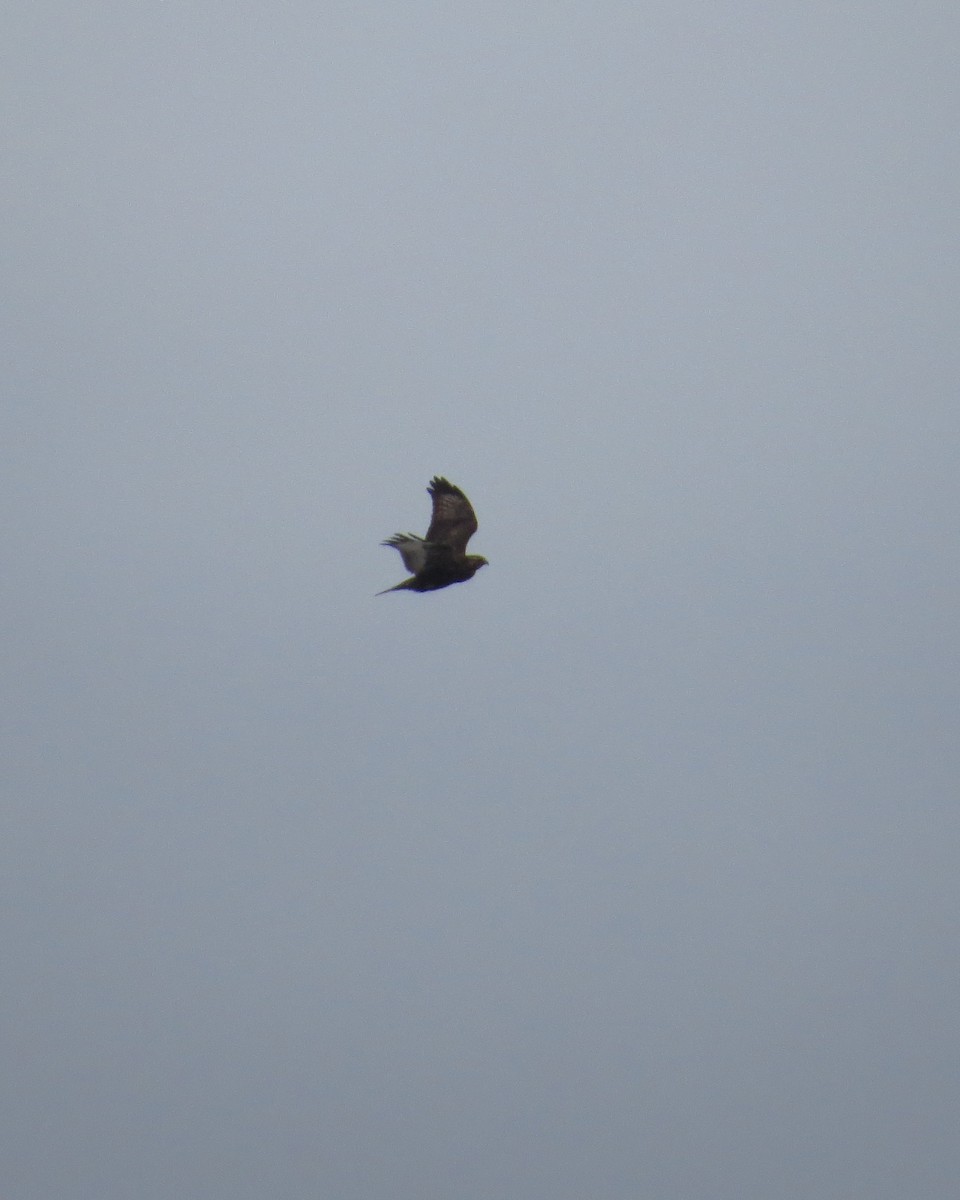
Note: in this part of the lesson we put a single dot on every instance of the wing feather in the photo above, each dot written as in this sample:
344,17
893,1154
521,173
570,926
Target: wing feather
454,522
412,549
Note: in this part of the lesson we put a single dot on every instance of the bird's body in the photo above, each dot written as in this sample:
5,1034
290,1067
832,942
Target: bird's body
440,558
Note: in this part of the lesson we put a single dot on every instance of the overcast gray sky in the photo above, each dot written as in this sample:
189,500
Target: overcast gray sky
627,870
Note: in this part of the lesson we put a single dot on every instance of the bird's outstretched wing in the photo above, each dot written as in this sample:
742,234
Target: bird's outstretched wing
412,550
453,523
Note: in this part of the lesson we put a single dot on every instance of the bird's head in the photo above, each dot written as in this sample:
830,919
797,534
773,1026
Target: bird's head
477,561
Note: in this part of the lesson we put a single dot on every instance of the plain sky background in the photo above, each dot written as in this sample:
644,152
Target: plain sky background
627,871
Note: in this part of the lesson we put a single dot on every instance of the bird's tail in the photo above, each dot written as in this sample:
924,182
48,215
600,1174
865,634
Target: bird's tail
397,587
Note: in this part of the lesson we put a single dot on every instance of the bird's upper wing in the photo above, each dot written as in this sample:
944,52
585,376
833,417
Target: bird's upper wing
412,550
454,522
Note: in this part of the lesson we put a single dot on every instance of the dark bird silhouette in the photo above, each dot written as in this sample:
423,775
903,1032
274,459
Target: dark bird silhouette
441,557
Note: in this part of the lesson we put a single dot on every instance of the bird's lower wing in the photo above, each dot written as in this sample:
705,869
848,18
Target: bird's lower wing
413,550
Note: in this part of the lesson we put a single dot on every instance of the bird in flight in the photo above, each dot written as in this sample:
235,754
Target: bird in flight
441,557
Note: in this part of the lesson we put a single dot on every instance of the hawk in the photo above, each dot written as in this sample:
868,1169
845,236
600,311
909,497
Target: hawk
441,557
